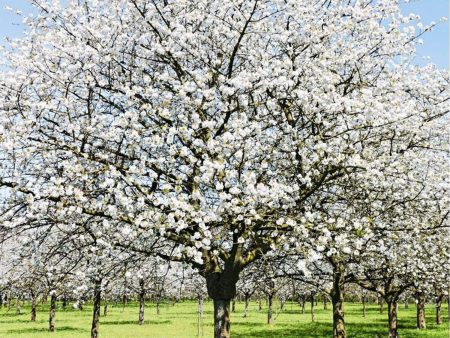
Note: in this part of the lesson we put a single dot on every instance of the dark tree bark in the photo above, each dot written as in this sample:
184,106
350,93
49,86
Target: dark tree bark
221,288
64,302
270,310
324,298
233,305
259,304
439,298
337,298
421,323
33,307
51,319
312,307
105,308
246,299
392,318
96,308
141,301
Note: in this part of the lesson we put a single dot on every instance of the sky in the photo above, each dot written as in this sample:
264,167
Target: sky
435,48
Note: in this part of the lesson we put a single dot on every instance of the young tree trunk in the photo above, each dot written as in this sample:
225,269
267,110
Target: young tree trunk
337,297
51,318
303,304
105,308
312,307
18,306
33,307
200,316
96,310
406,304
1,300
64,302
421,324
269,311
233,305
364,305
141,301
246,306
324,298
392,318
381,303
438,309
259,304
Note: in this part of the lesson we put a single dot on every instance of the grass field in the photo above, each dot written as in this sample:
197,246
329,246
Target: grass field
180,321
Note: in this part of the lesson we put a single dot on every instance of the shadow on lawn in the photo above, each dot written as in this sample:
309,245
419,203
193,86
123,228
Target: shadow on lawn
40,330
310,330
124,322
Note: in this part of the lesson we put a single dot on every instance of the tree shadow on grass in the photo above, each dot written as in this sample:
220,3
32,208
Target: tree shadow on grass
40,330
124,322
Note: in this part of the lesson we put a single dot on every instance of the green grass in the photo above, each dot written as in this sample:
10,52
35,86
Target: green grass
180,321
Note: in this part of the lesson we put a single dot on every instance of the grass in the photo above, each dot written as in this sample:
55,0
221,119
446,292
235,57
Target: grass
180,321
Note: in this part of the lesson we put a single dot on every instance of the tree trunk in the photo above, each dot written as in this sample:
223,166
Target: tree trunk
392,317
325,307
270,312
246,306
96,308
221,318
18,307
64,302
303,304
312,308
421,324
406,305
438,309
259,304
381,303
33,307
221,288
364,306
337,297
233,305
51,318
200,316
105,308
141,301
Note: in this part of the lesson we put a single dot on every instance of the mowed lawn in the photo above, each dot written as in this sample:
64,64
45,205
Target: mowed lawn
181,321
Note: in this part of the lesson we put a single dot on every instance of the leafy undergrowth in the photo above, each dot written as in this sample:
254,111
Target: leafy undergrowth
181,321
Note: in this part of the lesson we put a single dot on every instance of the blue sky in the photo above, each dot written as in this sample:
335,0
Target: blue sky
436,43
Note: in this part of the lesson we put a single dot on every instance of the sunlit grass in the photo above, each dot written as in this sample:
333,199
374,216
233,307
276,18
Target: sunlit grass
181,321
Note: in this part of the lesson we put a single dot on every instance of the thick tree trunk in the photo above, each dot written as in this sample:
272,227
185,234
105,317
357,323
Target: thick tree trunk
221,289
312,307
438,309
421,324
337,297
270,311
221,318
96,308
141,301
33,307
246,306
392,317
51,318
